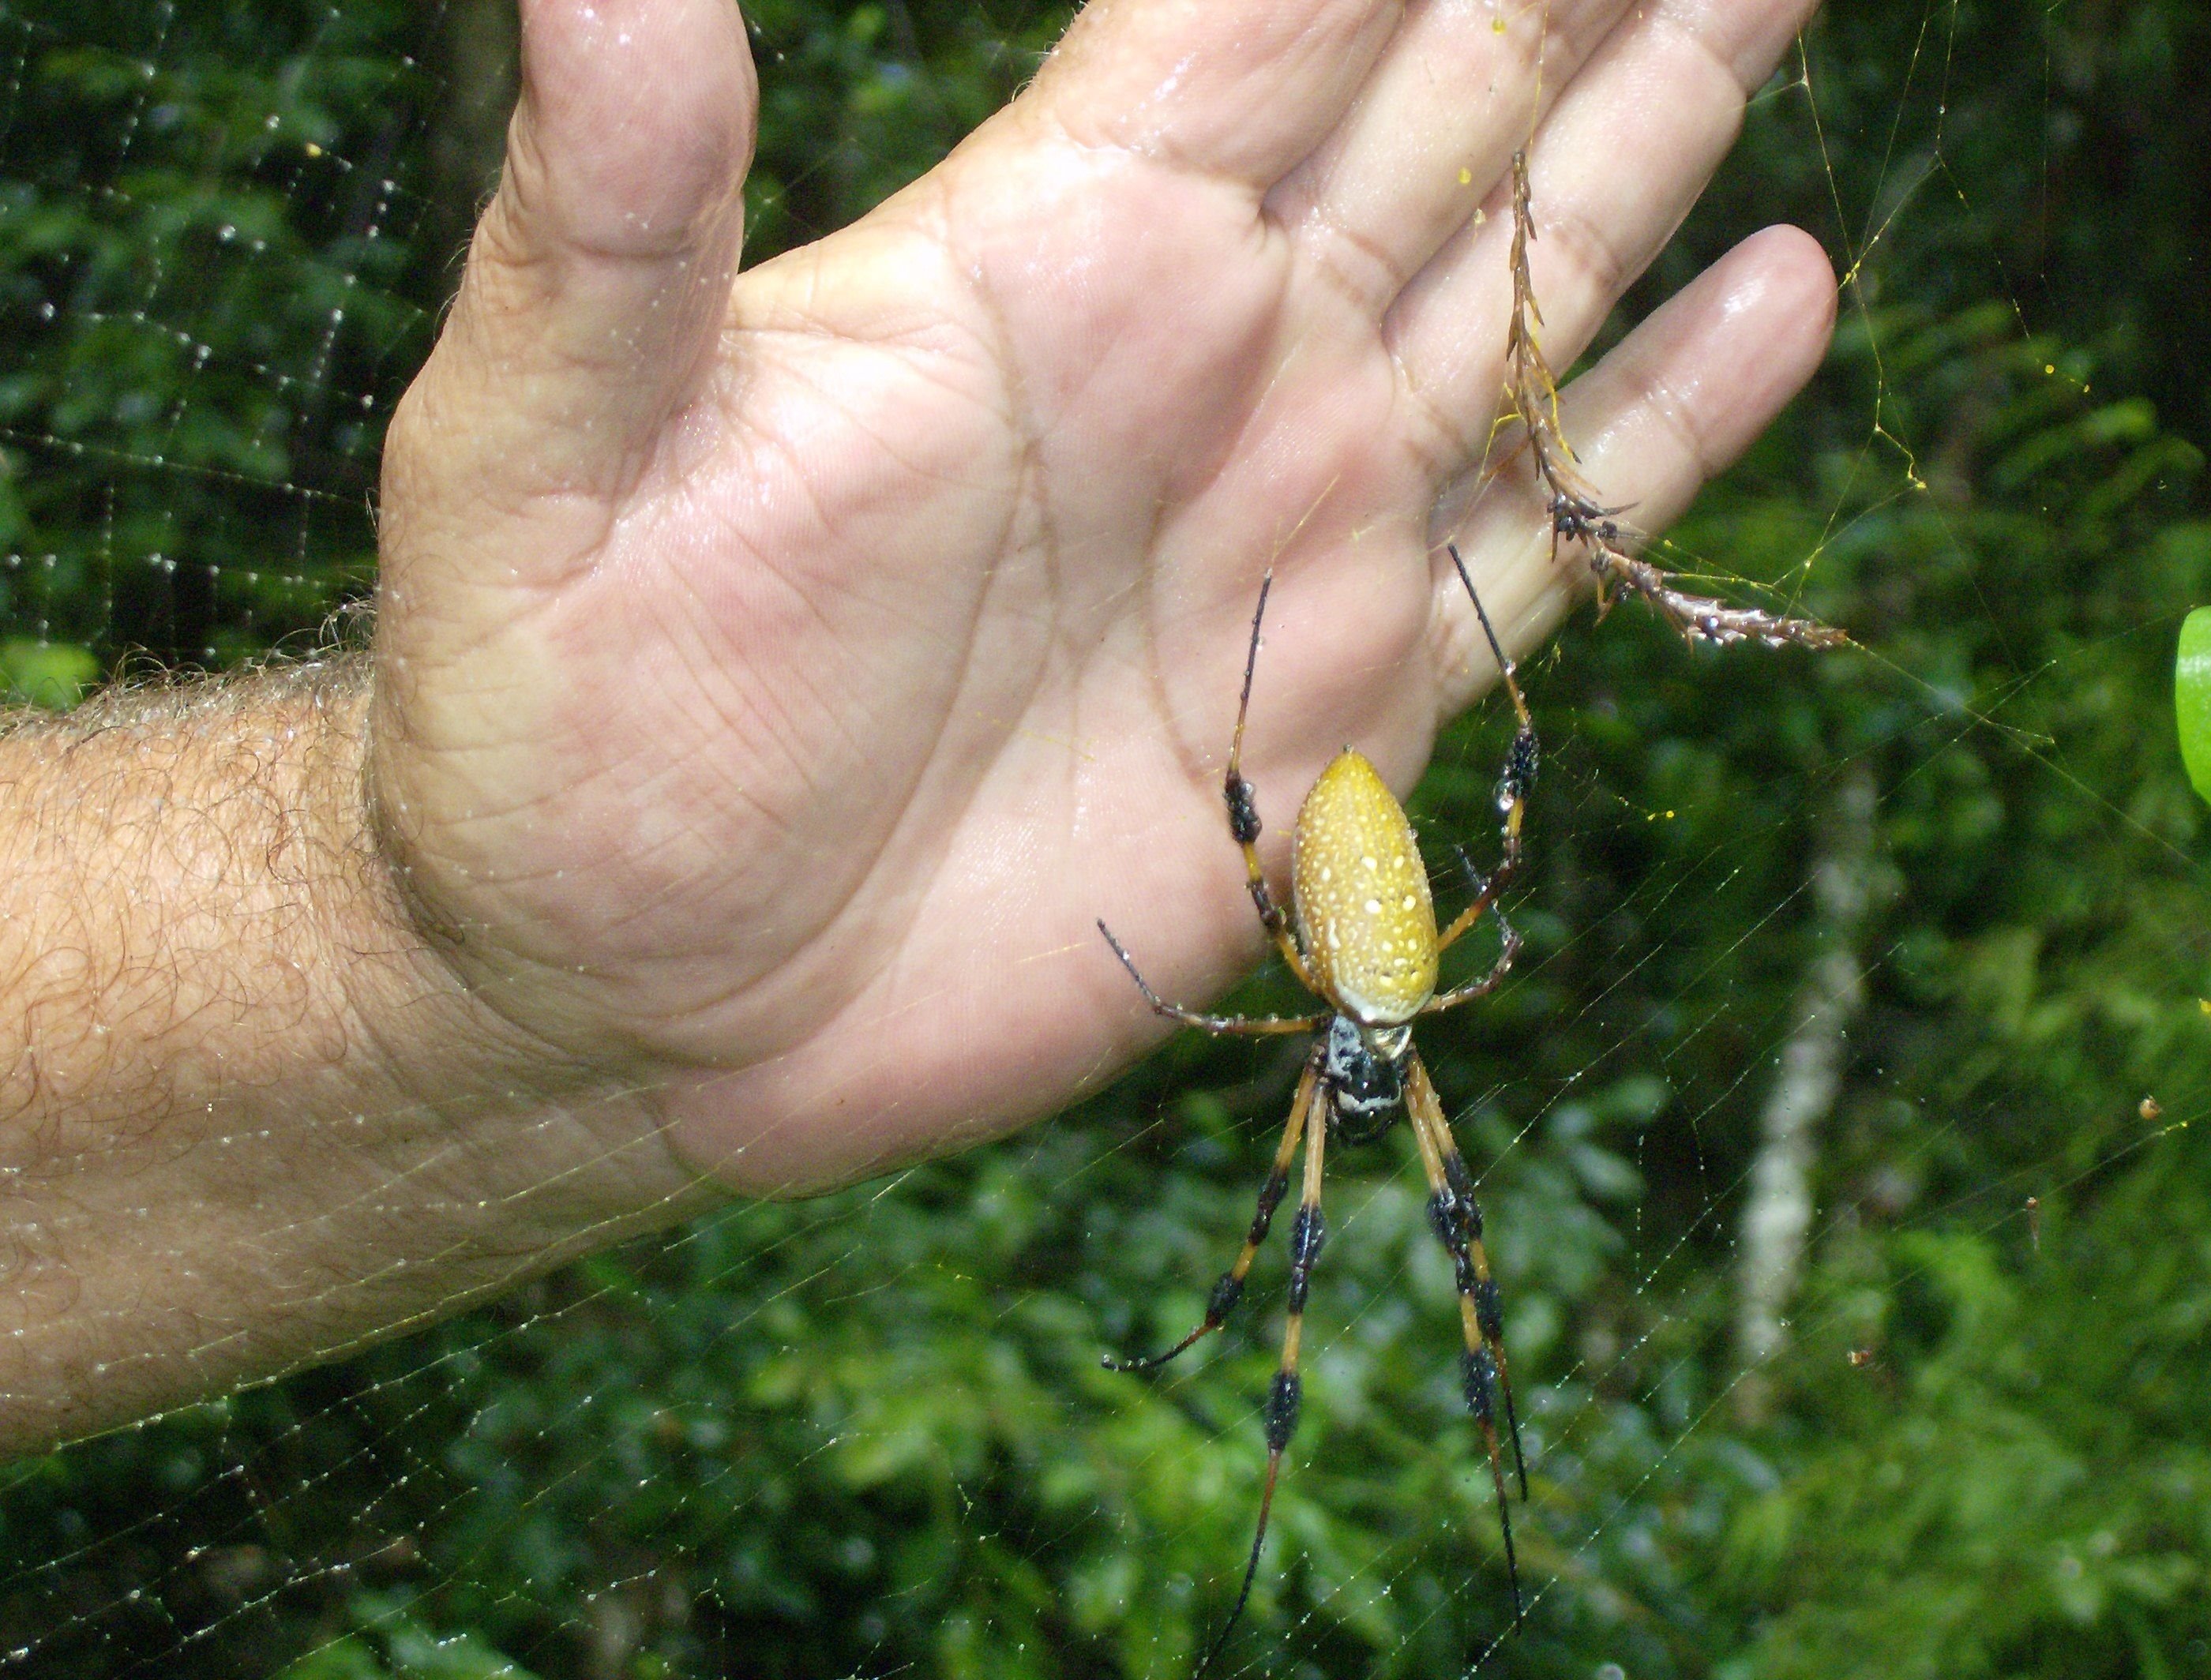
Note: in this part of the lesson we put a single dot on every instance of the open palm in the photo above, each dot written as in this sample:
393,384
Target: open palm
778,674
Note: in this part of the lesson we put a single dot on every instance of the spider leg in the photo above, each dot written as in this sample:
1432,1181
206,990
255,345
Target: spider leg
1307,1233
1506,954
1250,1026
1458,1222
1243,801
1513,783
1230,1287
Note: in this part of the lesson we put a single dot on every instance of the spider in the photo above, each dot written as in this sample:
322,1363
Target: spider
1364,943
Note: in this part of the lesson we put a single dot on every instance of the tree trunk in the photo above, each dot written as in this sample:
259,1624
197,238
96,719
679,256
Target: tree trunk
1777,1216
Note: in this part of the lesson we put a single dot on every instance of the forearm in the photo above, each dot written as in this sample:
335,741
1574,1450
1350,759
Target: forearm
248,1117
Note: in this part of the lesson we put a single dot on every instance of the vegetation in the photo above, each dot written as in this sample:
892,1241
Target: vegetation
870,1433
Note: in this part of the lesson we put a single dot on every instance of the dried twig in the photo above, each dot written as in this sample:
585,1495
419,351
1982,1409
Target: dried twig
1576,514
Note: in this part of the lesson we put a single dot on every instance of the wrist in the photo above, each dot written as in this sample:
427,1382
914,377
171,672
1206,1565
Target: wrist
255,1118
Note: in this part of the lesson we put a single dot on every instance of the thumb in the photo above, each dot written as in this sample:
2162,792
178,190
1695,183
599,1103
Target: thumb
599,278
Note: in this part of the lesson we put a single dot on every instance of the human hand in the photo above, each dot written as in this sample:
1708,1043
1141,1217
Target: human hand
778,674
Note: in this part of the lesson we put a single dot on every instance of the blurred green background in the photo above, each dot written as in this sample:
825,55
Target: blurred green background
1835,1132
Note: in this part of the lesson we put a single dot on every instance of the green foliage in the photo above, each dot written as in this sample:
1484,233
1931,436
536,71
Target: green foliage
2026,1467
54,675
201,324
2191,695
393,1646
870,1433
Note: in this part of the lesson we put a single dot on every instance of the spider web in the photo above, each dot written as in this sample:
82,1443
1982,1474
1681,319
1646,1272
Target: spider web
868,1433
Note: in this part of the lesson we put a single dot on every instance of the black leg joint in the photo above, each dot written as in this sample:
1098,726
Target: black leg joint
1242,800
1455,1174
1487,1312
1481,1376
1270,1197
1442,1218
1463,1274
1225,1294
1270,914
1519,779
1283,1410
1307,1234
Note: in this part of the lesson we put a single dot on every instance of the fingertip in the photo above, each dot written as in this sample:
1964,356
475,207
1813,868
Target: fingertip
1774,318
1784,276
1694,384
1687,392
600,274
636,119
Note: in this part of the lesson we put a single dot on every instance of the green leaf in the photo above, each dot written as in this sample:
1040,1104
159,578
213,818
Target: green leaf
53,674
347,1658
2191,695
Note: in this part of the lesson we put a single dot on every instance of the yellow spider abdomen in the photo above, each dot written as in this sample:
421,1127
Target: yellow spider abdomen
1364,914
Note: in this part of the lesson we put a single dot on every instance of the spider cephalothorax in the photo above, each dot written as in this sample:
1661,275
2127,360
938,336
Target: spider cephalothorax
1363,1072
1365,942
